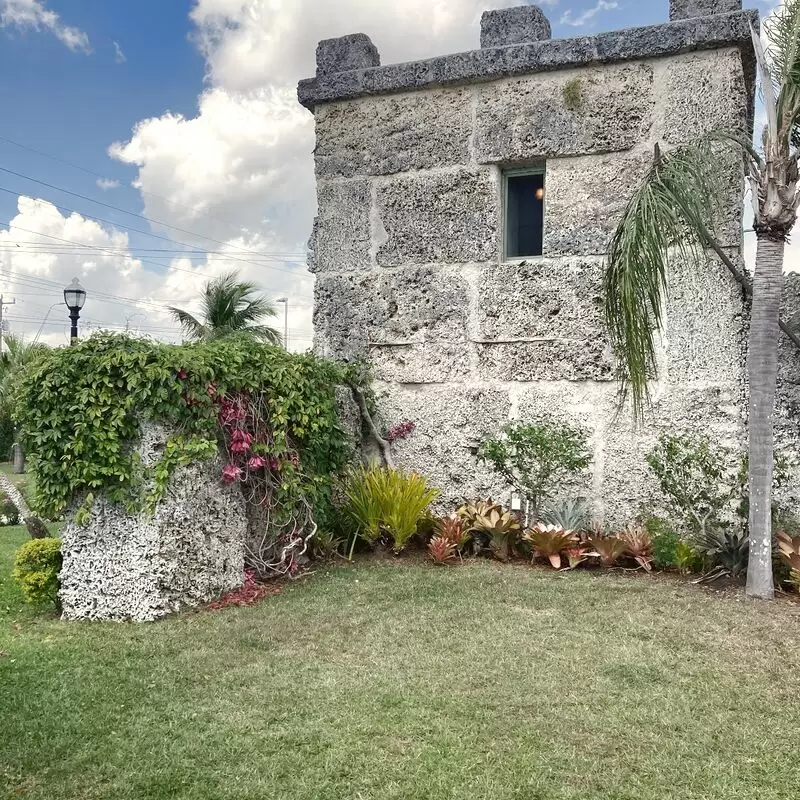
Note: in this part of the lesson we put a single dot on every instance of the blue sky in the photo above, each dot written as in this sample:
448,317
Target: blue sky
199,96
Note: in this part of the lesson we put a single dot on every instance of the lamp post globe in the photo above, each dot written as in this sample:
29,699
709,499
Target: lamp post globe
74,299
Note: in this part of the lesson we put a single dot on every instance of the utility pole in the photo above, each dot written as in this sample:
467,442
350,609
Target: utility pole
3,304
285,301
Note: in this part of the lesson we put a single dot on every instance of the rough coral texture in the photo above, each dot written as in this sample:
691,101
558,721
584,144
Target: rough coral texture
507,26
463,341
684,9
355,51
140,567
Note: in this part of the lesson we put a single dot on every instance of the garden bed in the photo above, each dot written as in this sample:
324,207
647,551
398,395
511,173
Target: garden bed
390,679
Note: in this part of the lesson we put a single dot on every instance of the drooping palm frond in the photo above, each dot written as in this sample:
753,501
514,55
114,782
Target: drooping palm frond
229,306
192,327
667,217
783,56
17,355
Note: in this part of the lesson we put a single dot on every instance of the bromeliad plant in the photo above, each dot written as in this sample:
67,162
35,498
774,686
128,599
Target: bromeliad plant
387,503
442,550
639,546
501,527
789,552
609,549
550,541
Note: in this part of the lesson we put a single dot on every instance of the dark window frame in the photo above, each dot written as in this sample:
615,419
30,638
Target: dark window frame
521,172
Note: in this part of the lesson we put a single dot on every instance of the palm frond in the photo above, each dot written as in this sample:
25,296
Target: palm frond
192,327
782,59
666,217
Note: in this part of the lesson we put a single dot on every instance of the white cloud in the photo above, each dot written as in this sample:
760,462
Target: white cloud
119,56
34,15
589,14
107,183
43,249
241,169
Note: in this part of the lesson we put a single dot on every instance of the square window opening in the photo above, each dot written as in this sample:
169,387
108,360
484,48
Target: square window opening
524,192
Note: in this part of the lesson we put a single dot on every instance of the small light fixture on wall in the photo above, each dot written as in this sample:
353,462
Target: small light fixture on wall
516,502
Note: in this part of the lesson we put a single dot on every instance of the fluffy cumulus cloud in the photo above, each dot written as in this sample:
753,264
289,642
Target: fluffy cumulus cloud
242,166
39,257
34,15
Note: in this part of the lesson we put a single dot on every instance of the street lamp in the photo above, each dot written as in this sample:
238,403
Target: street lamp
74,298
285,301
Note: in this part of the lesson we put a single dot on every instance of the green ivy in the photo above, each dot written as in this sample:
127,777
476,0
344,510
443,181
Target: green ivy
80,410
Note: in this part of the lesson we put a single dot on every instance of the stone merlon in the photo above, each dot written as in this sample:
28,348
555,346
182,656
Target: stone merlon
508,26
356,79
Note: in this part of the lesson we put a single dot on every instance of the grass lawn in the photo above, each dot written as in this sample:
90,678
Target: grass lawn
6,467
402,681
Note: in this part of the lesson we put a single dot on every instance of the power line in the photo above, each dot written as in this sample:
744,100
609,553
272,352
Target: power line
122,210
110,251
147,233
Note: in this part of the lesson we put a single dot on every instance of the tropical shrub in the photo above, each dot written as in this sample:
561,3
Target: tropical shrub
609,549
272,413
550,541
36,568
326,545
577,554
536,458
688,558
441,550
388,502
696,477
665,540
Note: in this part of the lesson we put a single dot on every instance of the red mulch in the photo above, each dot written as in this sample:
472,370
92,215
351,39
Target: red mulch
248,594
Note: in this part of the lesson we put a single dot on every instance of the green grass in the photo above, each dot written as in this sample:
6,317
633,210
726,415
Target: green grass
398,681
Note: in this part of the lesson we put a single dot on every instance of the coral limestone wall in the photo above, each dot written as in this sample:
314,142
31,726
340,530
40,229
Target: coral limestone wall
407,246
120,566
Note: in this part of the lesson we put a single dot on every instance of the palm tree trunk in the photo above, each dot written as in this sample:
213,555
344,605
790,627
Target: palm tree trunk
762,371
36,528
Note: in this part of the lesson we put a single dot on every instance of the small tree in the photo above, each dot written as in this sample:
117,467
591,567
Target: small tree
696,477
535,458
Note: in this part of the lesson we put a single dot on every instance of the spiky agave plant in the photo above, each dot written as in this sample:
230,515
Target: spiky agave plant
550,541
669,215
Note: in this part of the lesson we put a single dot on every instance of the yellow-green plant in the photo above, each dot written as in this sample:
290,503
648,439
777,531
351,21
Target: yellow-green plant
502,528
36,567
385,501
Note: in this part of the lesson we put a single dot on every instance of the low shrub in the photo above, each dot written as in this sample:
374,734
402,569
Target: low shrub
8,512
688,558
388,503
536,458
36,567
571,515
665,540
727,551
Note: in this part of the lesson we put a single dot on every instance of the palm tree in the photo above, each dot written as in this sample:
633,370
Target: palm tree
669,214
229,306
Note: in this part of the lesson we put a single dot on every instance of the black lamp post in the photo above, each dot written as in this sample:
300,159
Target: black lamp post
74,298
